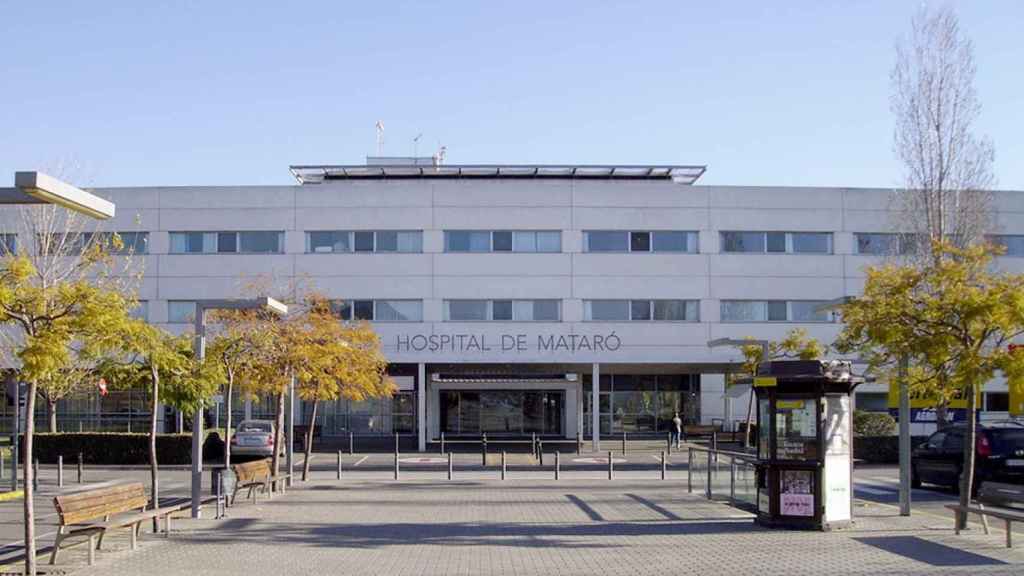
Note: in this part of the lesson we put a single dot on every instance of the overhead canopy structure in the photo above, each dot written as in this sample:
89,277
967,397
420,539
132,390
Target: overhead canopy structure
315,174
39,188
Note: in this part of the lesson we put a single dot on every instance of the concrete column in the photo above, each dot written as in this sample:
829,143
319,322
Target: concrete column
421,406
595,407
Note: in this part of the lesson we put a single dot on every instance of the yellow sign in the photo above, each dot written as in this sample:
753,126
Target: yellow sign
1016,397
765,381
920,400
790,404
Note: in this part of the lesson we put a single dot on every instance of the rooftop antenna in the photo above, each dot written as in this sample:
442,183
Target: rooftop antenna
416,144
380,137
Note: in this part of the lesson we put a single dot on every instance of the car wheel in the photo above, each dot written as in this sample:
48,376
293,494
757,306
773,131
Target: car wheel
915,478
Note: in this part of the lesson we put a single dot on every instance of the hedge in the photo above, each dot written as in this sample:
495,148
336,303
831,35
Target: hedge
120,448
881,449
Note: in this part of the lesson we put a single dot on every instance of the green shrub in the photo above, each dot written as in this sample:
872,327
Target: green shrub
873,424
881,449
111,448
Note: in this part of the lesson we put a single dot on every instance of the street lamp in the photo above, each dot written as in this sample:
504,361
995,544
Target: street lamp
39,188
904,412
264,303
764,358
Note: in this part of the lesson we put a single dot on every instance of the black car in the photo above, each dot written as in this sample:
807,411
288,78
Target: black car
999,455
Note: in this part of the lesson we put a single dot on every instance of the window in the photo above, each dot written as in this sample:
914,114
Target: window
328,241
363,309
606,241
641,310
255,242
465,310
877,243
181,311
364,241
398,311
1014,244
997,401
777,242
773,311
8,244
133,243
639,241
141,310
503,310
873,401
502,241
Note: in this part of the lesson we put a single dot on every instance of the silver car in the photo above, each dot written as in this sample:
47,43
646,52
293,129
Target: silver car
253,438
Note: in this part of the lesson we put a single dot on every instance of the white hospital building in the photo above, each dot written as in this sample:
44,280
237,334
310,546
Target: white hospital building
510,297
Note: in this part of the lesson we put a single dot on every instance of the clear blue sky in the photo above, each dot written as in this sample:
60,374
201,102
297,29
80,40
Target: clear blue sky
787,93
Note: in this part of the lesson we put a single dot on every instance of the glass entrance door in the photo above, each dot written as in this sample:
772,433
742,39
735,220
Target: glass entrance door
496,412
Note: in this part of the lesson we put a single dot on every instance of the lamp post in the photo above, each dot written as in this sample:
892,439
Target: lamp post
764,358
904,412
265,303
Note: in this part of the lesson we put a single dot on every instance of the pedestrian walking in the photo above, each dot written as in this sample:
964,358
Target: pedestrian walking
677,429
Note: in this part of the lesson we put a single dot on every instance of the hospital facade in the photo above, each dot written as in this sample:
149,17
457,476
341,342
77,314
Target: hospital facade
514,299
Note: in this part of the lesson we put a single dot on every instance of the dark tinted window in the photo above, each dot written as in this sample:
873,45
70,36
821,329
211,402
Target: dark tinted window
777,311
640,309
227,242
364,242
776,241
640,241
364,309
502,241
1006,440
954,442
997,401
501,310
387,241
936,440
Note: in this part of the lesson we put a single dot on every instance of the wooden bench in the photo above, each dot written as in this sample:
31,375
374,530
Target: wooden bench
256,476
92,512
1008,500
690,430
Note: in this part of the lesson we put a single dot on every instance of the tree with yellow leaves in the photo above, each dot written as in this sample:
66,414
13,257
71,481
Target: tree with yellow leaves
952,318
335,360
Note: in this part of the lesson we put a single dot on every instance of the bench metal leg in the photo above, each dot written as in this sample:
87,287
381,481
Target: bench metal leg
134,535
93,546
56,544
167,525
984,519
1009,534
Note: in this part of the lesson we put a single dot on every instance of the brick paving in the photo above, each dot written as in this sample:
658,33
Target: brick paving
525,527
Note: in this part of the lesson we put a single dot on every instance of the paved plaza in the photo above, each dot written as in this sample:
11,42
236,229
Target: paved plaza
533,526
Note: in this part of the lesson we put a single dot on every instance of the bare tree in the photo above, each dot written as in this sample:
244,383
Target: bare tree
947,167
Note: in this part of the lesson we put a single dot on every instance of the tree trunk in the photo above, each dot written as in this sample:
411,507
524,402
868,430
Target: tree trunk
30,516
967,475
227,419
941,415
278,433
309,441
154,472
51,413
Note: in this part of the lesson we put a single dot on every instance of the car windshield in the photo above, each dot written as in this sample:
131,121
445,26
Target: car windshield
1006,440
254,427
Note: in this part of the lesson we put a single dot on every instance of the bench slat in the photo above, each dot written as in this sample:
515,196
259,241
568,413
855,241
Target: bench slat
90,505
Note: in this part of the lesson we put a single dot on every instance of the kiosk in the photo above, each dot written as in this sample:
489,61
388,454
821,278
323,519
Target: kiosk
804,444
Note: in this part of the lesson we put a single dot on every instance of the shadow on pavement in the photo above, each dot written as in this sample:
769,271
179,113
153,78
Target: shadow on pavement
931,553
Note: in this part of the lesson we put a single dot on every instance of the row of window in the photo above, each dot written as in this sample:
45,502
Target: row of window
131,242
544,241
550,310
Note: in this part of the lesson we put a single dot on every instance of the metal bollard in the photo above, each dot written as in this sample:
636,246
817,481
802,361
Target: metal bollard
664,465
396,465
60,471
351,444
558,464
449,465
339,464
732,482
1,465
80,467
502,464
668,442
533,444
483,451
689,471
708,490
442,442
396,442
579,443
35,474
623,443
540,451
611,466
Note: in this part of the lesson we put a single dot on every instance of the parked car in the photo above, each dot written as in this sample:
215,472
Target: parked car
253,438
999,455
